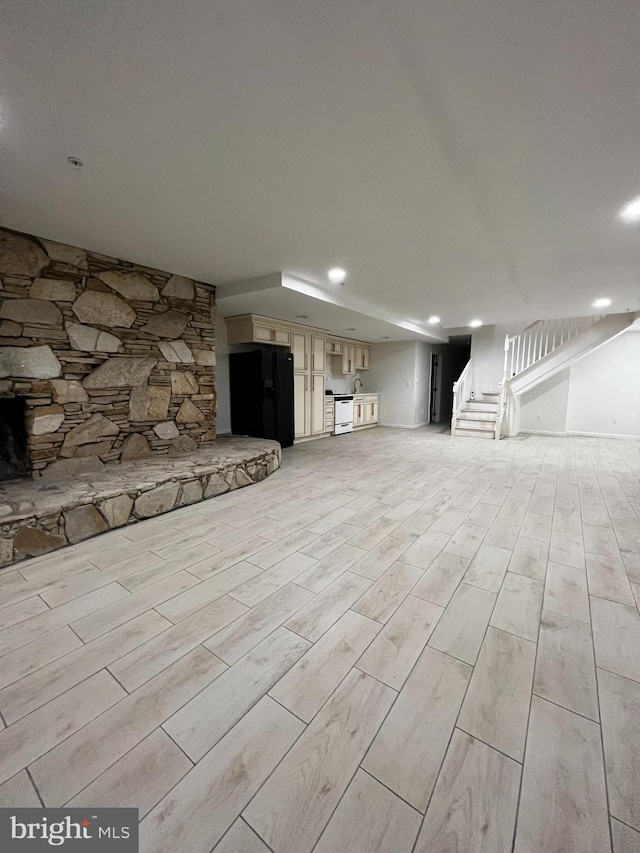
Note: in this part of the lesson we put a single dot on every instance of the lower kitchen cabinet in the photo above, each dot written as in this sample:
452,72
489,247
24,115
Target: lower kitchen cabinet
366,410
317,403
301,405
329,414
308,404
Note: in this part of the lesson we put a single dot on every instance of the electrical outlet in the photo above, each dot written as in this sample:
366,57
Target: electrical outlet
538,417
614,420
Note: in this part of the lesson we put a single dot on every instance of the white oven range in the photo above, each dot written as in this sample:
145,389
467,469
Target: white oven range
343,413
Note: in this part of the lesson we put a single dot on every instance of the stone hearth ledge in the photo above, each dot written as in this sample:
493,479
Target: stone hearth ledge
38,516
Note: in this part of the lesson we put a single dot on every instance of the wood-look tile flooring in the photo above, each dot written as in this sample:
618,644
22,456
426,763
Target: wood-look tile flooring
398,642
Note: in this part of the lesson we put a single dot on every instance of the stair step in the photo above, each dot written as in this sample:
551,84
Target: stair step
476,415
487,426
481,406
475,433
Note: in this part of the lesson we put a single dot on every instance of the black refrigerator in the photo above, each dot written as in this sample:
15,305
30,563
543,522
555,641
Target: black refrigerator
261,385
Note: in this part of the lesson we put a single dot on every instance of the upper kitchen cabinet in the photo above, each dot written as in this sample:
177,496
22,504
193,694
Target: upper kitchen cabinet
309,346
348,359
300,350
355,357
249,329
318,353
362,356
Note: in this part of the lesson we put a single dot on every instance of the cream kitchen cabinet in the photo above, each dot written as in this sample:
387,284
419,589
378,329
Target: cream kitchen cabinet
355,357
310,346
366,410
318,345
317,404
301,405
348,359
308,369
249,329
329,414
300,350
362,357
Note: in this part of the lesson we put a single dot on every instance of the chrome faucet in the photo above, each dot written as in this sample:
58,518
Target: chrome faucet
355,381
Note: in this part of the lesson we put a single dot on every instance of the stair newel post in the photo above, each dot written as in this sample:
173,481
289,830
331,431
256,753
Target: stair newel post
454,415
503,389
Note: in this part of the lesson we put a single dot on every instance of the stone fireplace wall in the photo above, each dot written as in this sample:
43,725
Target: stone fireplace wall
115,361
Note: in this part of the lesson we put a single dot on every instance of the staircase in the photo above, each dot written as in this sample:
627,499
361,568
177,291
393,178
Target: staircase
477,418
534,355
549,346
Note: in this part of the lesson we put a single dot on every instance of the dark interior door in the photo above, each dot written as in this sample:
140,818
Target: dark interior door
433,415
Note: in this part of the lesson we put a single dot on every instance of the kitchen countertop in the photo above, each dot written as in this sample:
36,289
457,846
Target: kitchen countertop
351,394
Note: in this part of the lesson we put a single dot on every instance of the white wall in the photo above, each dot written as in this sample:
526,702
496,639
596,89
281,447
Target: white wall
223,418
487,352
393,374
422,384
544,409
604,395
589,396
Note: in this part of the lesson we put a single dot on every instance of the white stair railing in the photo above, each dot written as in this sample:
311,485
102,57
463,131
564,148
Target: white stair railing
461,393
540,339
533,344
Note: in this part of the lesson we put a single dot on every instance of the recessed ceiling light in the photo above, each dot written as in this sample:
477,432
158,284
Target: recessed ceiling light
337,275
601,303
433,320
475,324
302,316
76,162
630,213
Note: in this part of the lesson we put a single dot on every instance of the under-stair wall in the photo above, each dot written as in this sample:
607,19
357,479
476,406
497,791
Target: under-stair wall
597,395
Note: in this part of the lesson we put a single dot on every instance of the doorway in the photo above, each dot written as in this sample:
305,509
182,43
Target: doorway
435,382
446,367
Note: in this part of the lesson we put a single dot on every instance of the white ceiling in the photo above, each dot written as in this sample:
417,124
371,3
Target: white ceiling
459,158
287,298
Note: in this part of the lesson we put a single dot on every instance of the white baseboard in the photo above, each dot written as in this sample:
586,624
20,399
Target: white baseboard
403,426
537,432
575,432
603,434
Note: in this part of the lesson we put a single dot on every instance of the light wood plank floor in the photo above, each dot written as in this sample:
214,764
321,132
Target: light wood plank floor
400,642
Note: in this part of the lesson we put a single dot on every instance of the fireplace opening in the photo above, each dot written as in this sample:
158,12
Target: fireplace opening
13,439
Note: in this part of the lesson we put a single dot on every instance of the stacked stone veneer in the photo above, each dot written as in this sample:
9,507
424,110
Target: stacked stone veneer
115,361
39,517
